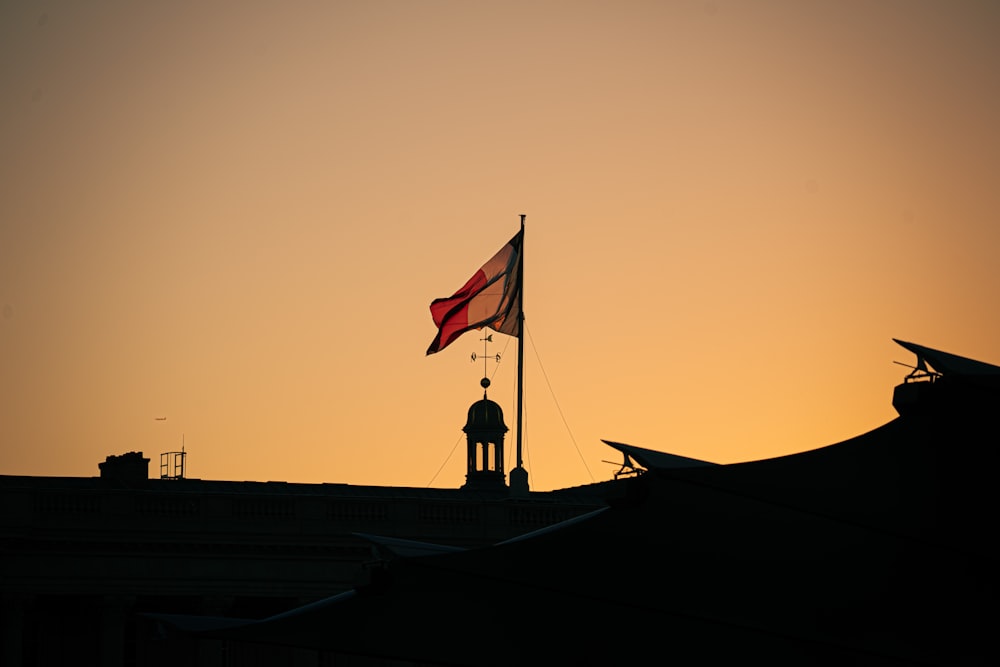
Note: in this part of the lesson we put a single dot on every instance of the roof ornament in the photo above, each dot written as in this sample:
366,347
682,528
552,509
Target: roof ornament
919,372
485,382
628,467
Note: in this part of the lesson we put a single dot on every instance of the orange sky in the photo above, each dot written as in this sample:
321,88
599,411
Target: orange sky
235,215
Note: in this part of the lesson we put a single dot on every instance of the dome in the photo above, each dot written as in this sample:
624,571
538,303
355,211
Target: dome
485,415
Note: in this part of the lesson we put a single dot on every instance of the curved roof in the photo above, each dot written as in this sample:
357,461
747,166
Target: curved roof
485,415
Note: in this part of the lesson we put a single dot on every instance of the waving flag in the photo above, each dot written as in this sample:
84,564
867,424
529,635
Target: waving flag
491,298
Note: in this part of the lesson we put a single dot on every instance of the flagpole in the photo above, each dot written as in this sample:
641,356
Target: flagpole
519,476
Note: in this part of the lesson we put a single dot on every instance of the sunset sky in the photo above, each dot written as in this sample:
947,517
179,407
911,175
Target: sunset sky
235,215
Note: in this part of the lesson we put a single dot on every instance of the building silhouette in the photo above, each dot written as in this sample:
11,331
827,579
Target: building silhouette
84,559
874,551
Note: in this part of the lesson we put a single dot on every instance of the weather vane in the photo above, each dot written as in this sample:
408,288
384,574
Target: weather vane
485,382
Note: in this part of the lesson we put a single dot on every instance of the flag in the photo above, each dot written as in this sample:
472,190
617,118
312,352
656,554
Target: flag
490,298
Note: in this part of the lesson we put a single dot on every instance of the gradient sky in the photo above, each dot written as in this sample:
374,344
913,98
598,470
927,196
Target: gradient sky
235,215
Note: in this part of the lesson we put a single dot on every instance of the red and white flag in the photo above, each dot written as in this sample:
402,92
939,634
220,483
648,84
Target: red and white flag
491,298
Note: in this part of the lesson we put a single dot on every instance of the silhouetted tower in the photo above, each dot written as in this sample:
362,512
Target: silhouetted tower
484,432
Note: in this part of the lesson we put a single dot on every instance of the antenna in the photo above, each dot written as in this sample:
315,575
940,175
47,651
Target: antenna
172,464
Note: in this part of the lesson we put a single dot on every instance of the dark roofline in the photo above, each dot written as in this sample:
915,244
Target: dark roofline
276,488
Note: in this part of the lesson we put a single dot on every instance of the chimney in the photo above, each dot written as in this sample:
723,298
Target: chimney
131,469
